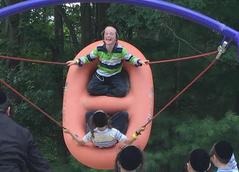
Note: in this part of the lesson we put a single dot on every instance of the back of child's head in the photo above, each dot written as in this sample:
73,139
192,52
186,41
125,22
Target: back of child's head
130,158
199,160
100,119
223,151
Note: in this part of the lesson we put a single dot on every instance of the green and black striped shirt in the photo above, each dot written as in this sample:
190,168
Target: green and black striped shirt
110,63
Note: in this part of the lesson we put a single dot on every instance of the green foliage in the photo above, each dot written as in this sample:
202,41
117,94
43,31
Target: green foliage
197,4
204,114
135,22
174,137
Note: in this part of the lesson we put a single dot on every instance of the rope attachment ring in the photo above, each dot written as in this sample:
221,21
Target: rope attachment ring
221,49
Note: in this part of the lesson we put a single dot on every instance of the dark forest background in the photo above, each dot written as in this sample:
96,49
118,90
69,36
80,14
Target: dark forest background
206,113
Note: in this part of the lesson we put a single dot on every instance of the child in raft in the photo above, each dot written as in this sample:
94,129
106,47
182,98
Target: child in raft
109,79
103,135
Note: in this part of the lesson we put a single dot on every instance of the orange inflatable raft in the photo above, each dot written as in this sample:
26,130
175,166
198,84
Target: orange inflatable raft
138,103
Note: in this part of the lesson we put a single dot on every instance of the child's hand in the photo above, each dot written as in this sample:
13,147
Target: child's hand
121,145
144,62
141,62
150,117
74,136
72,62
67,131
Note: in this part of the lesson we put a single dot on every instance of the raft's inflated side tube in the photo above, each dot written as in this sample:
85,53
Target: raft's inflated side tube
138,103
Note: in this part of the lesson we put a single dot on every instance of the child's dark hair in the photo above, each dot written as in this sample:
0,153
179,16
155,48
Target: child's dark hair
223,151
100,118
130,158
200,160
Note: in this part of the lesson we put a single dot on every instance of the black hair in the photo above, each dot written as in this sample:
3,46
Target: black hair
100,119
199,160
4,103
130,158
223,151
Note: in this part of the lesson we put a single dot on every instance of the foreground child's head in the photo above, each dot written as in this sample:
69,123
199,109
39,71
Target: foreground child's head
221,153
199,161
129,158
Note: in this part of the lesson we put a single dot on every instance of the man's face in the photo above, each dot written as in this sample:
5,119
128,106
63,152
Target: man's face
110,36
214,160
213,156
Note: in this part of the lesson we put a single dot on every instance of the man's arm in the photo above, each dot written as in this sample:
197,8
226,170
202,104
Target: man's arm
35,162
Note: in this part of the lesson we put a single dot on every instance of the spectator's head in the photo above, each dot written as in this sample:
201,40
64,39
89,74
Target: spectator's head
110,35
100,119
4,103
199,161
221,153
129,158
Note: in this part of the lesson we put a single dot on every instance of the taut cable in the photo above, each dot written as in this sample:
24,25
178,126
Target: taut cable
220,51
30,60
31,103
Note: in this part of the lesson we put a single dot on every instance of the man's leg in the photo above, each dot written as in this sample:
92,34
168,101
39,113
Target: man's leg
119,85
97,86
120,121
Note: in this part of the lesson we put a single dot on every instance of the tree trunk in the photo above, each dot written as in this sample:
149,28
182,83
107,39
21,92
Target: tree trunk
101,18
12,24
69,25
58,52
59,34
86,24
237,104
2,3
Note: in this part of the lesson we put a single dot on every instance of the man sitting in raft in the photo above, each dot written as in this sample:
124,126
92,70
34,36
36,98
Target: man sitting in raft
103,135
108,79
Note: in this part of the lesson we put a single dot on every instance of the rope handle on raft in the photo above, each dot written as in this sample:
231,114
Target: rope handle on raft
65,130
77,61
141,129
137,133
221,49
